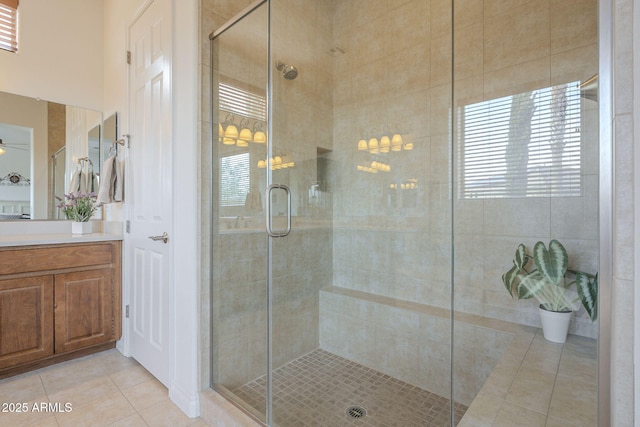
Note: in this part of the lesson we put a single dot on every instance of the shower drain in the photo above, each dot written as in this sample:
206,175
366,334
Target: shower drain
356,411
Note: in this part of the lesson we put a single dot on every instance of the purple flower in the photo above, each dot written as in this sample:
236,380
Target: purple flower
79,206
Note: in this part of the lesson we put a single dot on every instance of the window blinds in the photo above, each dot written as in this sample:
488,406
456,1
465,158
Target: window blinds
9,25
241,102
234,179
525,145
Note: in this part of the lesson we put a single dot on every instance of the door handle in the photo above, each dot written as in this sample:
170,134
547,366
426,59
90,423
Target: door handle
164,237
270,231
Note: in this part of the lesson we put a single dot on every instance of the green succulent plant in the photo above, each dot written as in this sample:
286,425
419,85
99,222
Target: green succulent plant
545,275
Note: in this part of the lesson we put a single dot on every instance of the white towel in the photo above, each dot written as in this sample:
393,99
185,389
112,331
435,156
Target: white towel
118,190
107,184
94,182
74,185
78,182
84,182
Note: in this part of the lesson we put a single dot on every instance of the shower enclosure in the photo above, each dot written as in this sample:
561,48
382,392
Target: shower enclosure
374,167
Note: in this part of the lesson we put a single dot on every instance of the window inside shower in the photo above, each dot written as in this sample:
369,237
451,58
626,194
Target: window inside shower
523,145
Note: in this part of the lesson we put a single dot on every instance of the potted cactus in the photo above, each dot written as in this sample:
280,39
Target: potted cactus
545,276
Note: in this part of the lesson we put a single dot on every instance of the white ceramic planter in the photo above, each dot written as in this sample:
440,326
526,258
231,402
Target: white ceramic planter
81,227
555,324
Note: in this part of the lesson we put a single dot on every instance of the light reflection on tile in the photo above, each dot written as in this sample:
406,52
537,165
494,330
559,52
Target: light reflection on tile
103,389
528,388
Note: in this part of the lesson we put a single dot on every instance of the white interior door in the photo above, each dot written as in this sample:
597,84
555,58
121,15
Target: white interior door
149,193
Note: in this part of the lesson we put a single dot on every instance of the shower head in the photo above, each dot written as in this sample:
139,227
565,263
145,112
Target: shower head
288,71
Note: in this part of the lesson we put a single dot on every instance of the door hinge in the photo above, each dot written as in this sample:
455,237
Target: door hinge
126,311
128,57
127,226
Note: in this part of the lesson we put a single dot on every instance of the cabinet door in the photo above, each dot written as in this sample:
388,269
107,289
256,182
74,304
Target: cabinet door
83,309
26,319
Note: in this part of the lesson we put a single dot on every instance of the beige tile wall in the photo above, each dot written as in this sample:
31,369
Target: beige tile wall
410,342
395,72
525,46
239,313
624,281
401,247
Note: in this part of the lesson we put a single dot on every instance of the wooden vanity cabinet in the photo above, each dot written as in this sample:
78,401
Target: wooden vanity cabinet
26,320
83,309
58,302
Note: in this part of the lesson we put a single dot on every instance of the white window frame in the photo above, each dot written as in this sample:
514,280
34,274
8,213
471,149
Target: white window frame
9,25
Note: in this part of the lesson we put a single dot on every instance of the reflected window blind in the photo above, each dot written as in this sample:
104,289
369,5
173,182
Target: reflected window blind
234,179
241,102
525,145
9,25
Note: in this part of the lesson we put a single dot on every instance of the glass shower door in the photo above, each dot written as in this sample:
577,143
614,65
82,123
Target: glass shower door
342,314
239,243
301,159
360,104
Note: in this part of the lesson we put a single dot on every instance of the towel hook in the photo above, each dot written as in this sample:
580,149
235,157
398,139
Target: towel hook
124,141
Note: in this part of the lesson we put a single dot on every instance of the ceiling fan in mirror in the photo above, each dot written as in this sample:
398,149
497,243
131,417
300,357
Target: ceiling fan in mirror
8,146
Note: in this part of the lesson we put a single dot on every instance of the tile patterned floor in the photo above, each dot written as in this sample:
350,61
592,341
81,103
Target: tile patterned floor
104,389
540,383
316,390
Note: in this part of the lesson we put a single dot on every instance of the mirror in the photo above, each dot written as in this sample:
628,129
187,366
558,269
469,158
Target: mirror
43,142
94,148
109,137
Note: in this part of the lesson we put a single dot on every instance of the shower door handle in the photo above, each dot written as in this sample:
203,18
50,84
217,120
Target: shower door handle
270,189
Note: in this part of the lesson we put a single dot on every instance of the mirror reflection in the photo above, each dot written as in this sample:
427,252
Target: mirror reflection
43,144
15,168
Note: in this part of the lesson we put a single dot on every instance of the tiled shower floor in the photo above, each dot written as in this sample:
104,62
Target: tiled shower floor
317,388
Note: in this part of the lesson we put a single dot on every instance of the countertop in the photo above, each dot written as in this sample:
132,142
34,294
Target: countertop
24,233
58,238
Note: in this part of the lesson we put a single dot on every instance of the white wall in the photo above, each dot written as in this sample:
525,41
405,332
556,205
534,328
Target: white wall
117,17
59,56
15,198
116,20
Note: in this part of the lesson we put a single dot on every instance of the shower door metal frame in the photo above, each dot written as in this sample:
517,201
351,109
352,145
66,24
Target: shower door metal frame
55,166
606,203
